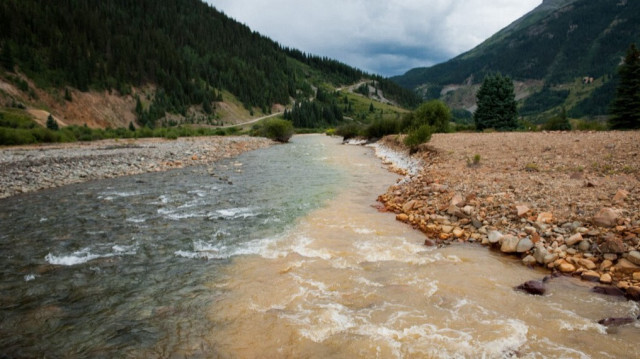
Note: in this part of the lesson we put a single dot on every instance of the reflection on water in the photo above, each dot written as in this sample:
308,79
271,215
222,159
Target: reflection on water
290,260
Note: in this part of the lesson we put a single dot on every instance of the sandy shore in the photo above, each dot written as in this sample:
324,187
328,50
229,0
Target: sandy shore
569,202
31,168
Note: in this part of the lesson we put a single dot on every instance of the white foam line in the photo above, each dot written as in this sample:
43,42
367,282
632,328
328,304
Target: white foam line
398,159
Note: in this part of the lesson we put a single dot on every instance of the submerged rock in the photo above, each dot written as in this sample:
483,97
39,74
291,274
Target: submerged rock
611,291
616,322
533,287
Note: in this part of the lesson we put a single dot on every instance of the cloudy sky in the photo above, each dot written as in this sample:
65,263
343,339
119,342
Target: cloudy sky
387,37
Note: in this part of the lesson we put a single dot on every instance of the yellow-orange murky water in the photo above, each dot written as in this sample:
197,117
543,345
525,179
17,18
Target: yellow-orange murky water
350,282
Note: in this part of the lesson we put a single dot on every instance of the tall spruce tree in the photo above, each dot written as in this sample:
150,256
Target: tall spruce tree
626,106
496,104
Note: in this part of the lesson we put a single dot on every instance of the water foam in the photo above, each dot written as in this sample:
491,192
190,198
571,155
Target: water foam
85,255
397,159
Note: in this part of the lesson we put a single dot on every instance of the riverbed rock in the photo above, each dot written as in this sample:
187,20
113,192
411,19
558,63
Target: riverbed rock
620,196
613,245
533,287
606,279
606,217
586,263
610,291
522,210
590,276
616,322
545,217
429,242
524,245
509,244
633,293
529,260
634,257
576,238
566,267
495,237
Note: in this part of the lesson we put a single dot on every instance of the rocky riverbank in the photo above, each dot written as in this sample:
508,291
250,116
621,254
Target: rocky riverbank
31,168
569,202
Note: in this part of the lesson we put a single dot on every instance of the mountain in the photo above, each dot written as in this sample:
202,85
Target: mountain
153,61
548,52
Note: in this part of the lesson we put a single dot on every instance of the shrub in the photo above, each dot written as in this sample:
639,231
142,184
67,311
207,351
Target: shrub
277,129
348,131
52,124
418,136
558,123
382,127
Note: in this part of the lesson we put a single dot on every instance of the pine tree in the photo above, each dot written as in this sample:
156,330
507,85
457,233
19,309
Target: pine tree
626,106
52,124
132,128
6,57
496,104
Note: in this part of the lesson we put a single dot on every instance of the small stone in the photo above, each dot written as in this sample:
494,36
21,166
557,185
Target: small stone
447,229
494,237
533,287
590,276
620,196
606,264
626,266
429,242
409,206
587,264
529,260
610,256
606,217
458,233
509,244
634,257
522,210
565,267
194,157
402,217
457,201
551,257
584,245
636,276
524,245
574,239
545,217
606,278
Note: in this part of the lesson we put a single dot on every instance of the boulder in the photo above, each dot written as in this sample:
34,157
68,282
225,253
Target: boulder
606,217
533,287
509,244
616,322
524,245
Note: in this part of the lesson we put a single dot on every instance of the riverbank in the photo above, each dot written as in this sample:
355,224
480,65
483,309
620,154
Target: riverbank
565,201
32,168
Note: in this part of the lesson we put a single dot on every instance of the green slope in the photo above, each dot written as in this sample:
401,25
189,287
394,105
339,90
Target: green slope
187,50
556,43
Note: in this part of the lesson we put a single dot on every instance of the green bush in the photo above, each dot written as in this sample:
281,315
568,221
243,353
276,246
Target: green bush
348,131
382,127
585,125
418,136
276,129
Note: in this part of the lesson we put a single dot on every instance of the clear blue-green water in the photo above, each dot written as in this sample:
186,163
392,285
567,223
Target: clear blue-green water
108,268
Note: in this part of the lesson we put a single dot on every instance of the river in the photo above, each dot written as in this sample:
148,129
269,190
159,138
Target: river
276,253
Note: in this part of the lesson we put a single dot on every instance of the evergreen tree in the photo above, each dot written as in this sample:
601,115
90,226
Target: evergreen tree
626,106
6,57
496,104
52,124
558,123
132,128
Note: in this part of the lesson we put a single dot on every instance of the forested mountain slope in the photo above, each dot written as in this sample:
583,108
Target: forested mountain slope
170,55
550,50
